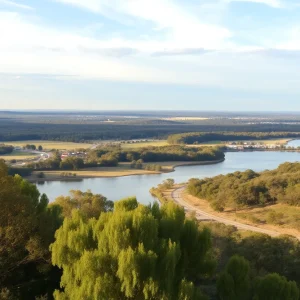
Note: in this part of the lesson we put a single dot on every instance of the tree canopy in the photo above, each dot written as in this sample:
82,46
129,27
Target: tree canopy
202,137
134,252
250,188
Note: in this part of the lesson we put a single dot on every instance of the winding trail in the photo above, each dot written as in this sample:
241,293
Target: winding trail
202,215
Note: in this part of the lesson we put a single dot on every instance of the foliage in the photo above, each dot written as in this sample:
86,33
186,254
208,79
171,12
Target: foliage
90,205
134,252
203,137
5,149
157,154
71,163
153,167
234,283
250,188
27,227
276,287
137,164
30,147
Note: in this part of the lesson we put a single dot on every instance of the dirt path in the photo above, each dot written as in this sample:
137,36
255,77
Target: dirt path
202,215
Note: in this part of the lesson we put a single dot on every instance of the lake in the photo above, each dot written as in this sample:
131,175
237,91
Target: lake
139,186
294,143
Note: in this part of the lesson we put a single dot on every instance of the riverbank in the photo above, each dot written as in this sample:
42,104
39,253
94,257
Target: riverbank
107,172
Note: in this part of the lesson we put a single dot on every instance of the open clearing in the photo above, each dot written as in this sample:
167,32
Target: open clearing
287,221
18,155
145,144
49,145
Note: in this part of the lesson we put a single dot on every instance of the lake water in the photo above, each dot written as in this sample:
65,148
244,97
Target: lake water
139,186
294,143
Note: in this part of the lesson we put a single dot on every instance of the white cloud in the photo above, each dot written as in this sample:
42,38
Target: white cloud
272,3
15,4
31,48
183,27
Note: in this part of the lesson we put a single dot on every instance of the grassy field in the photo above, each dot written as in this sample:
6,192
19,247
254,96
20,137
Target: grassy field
121,170
275,141
17,155
49,145
145,144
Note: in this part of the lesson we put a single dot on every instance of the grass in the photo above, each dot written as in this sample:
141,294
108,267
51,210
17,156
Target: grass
145,144
281,215
17,155
286,219
49,145
121,170
275,141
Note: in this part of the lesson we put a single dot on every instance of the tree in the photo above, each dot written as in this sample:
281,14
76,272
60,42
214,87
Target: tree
134,252
276,287
234,283
90,205
27,229
40,148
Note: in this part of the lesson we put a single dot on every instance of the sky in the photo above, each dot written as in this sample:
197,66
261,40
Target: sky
150,54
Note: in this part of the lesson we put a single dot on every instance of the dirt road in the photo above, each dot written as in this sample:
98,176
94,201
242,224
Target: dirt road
202,215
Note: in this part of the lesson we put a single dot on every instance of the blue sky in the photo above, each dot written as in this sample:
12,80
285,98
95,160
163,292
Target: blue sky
158,54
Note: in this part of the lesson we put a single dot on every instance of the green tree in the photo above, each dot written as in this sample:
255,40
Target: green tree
90,205
40,148
27,229
276,287
134,252
234,282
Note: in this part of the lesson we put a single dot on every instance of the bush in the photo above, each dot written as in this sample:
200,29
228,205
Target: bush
217,206
275,217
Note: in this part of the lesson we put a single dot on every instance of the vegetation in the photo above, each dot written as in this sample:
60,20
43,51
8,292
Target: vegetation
90,205
204,137
135,252
56,163
155,154
27,227
249,188
137,164
125,250
135,145
64,126
153,167
158,192
4,149
50,144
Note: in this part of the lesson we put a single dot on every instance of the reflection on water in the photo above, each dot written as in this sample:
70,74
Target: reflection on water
121,187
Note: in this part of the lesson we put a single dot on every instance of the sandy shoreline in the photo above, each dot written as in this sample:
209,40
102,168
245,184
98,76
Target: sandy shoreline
113,172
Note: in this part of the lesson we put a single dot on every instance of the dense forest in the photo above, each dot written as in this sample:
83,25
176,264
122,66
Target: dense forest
157,154
76,131
83,246
203,137
249,188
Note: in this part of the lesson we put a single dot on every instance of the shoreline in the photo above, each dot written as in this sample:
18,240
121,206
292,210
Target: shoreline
79,177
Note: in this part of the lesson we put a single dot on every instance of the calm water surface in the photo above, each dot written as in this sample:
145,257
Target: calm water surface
294,143
139,186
